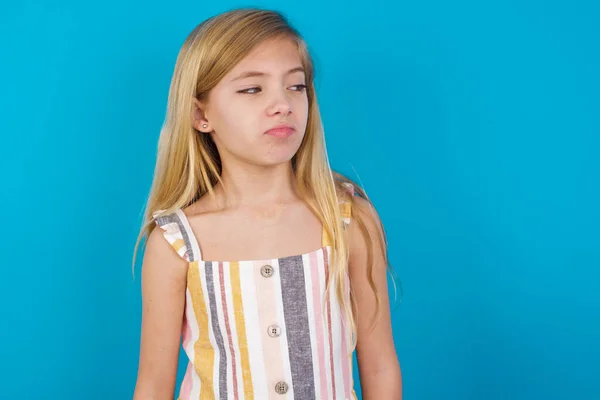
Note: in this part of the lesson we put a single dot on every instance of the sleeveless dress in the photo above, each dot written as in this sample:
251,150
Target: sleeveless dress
261,329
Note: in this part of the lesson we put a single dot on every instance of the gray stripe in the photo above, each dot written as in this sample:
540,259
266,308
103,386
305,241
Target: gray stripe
291,270
168,219
215,326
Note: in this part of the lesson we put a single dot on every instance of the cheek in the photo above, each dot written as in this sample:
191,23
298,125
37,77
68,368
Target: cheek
302,113
233,119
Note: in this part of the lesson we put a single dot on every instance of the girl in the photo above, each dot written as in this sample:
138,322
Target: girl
264,261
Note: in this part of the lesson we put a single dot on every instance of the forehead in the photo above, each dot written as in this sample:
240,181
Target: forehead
271,56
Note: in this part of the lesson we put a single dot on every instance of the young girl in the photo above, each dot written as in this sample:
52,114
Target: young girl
268,266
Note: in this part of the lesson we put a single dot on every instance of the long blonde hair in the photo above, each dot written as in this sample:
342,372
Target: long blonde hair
188,165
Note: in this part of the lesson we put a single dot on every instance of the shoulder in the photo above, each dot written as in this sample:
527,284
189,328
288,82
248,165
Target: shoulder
356,205
365,221
167,240
156,245
160,259
366,237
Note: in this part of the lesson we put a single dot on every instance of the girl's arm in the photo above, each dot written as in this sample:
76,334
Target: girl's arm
163,300
378,365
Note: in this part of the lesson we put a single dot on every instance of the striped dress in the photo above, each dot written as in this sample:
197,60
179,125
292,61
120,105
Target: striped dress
261,329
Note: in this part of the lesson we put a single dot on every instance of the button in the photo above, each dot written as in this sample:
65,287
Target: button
281,387
266,271
274,330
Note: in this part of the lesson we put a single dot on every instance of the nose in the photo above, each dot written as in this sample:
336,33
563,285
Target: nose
280,104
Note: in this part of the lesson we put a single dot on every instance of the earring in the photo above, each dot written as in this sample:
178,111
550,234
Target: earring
204,125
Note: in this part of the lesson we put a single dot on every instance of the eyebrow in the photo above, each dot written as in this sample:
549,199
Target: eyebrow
251,74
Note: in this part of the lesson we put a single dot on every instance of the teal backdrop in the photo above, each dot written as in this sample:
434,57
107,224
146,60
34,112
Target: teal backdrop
474,126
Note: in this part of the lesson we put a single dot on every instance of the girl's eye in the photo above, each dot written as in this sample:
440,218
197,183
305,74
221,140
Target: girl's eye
250,90
254,90
299,88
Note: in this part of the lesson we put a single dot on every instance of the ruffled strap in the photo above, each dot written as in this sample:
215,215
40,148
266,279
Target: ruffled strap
178,232
345,202
345,207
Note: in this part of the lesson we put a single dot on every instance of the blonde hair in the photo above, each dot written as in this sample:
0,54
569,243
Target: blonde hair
188,165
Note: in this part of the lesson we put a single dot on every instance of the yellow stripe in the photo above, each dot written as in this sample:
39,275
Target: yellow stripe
346,210
325,239
204,353
178,244
240,324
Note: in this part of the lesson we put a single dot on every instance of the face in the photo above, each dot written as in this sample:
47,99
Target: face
265,90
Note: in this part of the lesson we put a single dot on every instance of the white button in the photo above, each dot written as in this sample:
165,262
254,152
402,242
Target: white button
281,387
266,271
274,330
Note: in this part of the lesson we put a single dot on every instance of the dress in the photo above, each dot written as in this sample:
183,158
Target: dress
261,329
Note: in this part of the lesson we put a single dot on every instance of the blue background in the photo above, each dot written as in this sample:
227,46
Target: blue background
474,127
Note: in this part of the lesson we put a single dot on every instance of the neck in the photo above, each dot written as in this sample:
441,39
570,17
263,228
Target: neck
248,185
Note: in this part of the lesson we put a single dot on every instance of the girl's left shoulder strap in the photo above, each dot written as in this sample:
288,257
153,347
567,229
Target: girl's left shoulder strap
345,207
345,202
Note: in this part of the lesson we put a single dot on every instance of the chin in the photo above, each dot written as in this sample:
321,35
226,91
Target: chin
277,162
279,156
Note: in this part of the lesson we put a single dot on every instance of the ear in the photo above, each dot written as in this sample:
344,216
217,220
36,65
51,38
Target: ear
199,120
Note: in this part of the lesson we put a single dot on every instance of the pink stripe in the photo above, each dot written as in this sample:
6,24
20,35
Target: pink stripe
228,328
316,289
187,333
186,385
326,262
345,328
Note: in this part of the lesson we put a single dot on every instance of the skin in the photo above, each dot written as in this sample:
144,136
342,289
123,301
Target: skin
378,365
252,221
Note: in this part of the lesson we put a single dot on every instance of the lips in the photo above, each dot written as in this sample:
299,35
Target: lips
281,131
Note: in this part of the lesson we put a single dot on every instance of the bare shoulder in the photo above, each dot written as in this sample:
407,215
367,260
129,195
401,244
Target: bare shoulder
365,208
365,228
376,354
163,298
159,255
